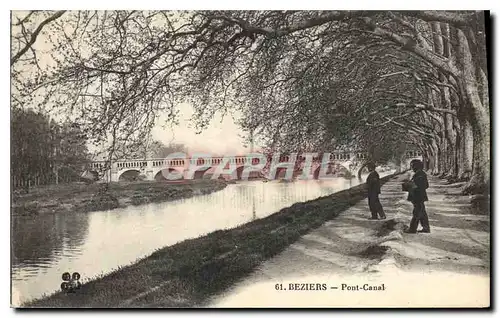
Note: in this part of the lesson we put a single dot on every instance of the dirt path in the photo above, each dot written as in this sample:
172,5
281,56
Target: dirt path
447,268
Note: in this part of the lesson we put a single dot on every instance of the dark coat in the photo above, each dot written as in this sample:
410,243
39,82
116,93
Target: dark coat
418,193
373,183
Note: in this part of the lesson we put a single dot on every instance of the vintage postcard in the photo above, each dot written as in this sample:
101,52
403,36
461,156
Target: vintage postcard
250,159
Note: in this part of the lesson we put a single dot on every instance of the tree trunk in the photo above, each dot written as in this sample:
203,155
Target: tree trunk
451,139
430,158
436,156
480,121
480,180
56,173
441,47
466,150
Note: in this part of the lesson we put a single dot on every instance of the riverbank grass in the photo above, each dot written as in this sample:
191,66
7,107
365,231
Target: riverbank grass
187,274
78,197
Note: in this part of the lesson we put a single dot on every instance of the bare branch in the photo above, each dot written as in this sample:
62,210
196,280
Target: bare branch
34,36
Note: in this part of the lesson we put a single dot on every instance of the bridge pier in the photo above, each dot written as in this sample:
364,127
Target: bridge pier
114,175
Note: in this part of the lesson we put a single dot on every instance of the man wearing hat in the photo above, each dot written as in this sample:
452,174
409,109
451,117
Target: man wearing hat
373,185
417,195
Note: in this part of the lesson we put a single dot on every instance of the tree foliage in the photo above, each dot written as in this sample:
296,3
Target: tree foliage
41,148
303,80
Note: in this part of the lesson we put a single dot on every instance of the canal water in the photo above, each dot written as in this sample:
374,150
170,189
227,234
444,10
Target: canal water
96,243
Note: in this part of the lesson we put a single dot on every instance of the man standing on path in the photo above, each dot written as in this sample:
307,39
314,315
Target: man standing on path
417,195
373,185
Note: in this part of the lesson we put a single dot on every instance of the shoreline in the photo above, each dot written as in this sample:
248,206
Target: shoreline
188,273
78,197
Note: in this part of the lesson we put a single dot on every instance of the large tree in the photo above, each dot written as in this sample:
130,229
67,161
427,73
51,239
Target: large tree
304,80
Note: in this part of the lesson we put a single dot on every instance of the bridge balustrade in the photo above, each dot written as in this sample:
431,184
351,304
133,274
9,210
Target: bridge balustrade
411,154
131,164
158,163
361,155
96,165
341,156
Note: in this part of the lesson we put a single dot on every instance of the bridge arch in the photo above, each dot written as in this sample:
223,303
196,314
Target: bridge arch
160,174
200,174
332,170
346,164
230,174
129,175
252,175
360,170
239,172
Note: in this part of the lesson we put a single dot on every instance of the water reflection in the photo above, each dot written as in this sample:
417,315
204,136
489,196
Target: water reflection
41,239
98,242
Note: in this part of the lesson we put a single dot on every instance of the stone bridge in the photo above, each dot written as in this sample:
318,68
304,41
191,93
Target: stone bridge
197,167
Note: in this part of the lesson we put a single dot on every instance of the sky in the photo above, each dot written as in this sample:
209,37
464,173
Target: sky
221,137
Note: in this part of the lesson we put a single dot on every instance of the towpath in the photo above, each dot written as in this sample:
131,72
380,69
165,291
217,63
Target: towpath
449,267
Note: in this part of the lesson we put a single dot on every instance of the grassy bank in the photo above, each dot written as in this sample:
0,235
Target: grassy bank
78,197
187,273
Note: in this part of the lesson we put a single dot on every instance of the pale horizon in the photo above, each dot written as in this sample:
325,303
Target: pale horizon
222,136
